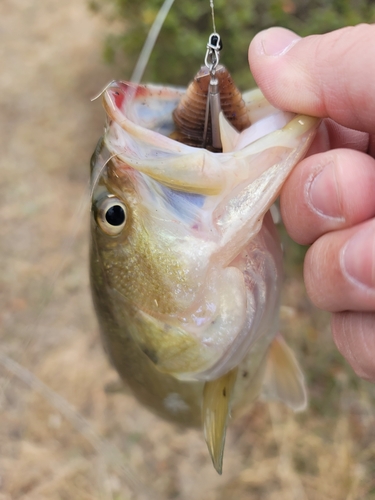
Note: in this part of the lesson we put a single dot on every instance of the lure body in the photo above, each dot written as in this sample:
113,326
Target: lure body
186,280
190,113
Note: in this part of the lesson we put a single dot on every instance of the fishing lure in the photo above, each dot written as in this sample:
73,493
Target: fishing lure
186,264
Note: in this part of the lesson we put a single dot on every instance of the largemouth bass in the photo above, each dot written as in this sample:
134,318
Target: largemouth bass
186,263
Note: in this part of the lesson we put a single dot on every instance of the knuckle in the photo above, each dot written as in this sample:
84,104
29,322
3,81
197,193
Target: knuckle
353,335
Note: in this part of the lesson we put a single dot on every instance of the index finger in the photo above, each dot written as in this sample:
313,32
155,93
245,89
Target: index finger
329,75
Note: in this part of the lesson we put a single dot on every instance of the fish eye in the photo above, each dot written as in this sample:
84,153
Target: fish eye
111,216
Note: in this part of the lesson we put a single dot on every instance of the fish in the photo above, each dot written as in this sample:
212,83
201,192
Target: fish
185,259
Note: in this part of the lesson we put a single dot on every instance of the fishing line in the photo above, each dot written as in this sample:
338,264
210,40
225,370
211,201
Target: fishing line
150,41
213,14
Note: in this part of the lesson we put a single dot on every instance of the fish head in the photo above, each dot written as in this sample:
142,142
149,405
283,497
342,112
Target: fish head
180,234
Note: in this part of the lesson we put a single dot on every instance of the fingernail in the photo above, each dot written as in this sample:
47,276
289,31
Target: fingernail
324,194
277,41
358,258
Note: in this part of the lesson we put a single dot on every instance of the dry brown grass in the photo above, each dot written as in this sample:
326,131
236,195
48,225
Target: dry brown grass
50,59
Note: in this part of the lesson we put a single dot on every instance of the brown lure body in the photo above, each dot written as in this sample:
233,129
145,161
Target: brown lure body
189,116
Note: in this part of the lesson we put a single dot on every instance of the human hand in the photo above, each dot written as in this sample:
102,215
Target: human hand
329,199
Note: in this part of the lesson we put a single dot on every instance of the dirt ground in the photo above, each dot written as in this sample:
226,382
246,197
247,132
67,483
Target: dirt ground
62,436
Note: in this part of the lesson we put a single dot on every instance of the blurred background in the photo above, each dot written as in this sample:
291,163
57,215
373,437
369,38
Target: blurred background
189,23
54,57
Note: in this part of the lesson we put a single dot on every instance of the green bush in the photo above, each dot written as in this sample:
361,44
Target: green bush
181,46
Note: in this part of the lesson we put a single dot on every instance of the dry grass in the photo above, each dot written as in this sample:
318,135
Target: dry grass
50,59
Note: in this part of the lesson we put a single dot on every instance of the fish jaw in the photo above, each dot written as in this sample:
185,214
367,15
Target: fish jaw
218,270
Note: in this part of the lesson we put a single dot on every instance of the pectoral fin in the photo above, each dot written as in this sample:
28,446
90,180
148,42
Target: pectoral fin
283,379
215,412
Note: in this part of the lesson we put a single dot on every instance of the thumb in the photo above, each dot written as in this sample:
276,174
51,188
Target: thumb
329,75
